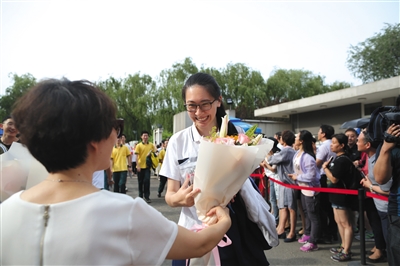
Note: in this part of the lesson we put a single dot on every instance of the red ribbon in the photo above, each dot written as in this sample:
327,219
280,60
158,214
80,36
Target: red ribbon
326,190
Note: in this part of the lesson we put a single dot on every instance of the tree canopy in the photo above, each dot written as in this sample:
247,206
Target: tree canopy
377,57
146,103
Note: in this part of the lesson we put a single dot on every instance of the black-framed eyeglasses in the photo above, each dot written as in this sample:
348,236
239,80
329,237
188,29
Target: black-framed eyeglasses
119,126
191,107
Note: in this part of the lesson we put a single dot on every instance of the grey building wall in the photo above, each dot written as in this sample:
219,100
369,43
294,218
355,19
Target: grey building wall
333,116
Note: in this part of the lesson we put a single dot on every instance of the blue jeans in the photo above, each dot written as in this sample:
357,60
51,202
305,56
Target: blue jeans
120,181
144,183
272,199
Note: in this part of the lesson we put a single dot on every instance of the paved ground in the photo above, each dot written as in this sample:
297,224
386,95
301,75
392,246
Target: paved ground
284,254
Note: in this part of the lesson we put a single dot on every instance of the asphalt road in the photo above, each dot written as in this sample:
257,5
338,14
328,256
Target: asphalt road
284,254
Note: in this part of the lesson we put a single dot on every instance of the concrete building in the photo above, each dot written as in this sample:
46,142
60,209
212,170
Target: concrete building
334,108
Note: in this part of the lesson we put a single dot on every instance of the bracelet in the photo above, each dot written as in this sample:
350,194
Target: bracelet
370,189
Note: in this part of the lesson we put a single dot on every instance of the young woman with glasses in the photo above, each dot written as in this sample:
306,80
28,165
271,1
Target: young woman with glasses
202,98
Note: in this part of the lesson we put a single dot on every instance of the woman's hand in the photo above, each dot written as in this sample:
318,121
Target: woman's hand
292,176
325,165
222,214
365,182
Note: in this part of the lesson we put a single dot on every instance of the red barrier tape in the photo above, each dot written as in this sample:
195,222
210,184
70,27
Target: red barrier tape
320,189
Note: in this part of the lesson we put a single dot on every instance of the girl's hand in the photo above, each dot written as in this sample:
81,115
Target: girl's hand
187,193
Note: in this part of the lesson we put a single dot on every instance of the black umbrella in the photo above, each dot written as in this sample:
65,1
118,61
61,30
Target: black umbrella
356,123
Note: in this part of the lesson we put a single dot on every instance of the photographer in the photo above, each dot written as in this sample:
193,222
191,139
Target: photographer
387,166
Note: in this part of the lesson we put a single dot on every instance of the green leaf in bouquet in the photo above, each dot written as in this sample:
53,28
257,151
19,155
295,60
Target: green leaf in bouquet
250,132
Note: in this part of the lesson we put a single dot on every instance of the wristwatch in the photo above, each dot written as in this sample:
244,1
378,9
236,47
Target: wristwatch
370,189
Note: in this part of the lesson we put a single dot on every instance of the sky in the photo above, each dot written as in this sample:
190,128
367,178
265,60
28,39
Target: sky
94,40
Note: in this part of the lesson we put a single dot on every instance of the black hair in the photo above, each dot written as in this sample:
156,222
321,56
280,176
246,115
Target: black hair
56,123
6,117
328,131
343,139
307,139
211,86
275,147
352,130
288,137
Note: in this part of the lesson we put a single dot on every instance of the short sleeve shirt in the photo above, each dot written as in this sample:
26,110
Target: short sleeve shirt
142,150
119,155
183,148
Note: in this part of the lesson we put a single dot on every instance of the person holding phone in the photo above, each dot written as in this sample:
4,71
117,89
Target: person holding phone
337,172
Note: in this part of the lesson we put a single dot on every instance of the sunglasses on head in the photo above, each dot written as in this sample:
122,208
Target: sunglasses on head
119,126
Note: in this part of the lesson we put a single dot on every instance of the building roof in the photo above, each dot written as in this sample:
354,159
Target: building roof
367,93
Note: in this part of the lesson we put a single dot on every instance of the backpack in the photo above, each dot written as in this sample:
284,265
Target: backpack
152,160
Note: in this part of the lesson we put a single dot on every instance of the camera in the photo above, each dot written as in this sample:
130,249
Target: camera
392,118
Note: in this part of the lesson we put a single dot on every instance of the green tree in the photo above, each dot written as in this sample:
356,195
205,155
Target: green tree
338,85
377,57
20,85
134,102
244,86
288,85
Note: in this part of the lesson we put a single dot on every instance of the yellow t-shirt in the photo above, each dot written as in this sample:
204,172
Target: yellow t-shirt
142,150
119,155
161,156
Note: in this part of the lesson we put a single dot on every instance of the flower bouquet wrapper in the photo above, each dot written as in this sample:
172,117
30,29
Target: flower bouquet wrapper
221,170
19,170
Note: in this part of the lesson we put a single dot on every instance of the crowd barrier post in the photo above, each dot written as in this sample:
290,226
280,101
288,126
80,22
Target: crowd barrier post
361,200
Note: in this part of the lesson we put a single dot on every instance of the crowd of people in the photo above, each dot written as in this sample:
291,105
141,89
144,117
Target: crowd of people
95,156
346,161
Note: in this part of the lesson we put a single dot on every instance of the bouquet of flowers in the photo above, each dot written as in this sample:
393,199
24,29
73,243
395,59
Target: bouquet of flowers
223,165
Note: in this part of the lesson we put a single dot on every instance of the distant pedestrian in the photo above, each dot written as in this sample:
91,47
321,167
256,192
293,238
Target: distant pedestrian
143,150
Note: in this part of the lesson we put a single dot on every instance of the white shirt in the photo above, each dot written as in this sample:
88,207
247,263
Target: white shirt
98,179
182,145
102,228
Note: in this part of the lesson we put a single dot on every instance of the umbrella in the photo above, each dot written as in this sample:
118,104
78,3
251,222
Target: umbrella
244,125
356,123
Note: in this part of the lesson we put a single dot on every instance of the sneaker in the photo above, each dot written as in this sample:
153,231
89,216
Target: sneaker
307,247
369,237
339,257
336,250
304,239
148,200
